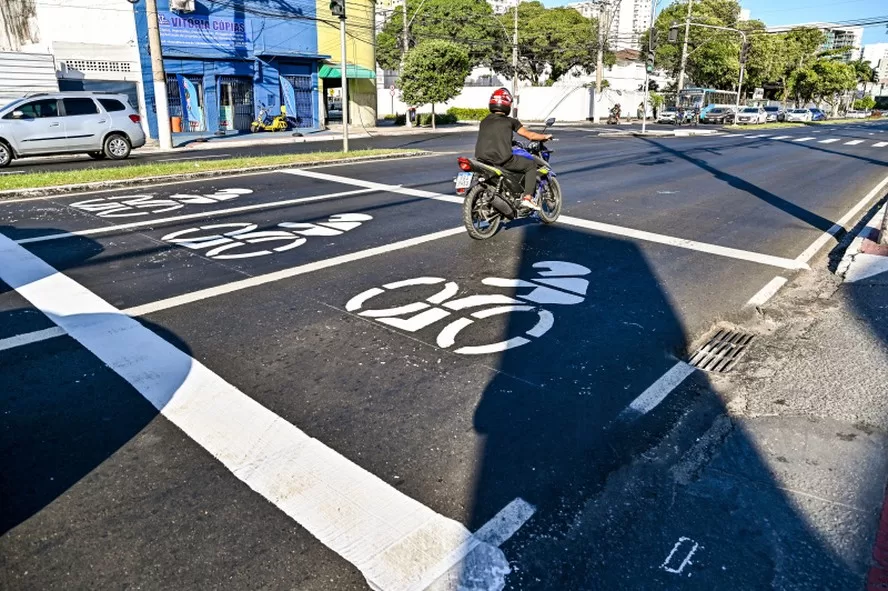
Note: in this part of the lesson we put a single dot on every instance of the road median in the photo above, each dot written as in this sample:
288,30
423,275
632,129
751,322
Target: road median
60,182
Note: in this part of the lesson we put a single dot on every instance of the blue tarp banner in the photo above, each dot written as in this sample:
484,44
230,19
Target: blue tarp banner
190,111
289,97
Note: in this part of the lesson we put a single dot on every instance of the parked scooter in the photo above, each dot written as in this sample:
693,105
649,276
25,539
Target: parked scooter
264,121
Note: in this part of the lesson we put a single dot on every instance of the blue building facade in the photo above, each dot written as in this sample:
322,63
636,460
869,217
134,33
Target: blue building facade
234,54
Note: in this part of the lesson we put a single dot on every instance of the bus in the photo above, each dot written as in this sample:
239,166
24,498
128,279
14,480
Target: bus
705,98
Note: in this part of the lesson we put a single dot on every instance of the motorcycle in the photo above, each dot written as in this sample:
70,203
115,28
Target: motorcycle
493,195
264,122
613,118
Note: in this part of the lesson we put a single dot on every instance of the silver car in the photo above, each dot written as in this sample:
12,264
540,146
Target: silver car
101,125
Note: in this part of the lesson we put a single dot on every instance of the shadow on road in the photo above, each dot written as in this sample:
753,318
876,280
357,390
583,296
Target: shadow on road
613,511
64,411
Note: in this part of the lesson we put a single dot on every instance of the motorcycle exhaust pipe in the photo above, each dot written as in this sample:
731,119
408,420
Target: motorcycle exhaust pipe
503,206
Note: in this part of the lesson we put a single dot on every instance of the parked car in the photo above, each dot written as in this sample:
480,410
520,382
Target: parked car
817,114
667,115
101,125
774,114
798,115
720,115
752,115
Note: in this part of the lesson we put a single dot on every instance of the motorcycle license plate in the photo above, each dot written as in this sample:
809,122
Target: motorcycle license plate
464,180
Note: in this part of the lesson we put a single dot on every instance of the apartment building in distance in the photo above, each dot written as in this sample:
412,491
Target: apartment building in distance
847,39
629,19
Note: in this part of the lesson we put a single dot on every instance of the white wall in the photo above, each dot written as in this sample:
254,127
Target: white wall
565,103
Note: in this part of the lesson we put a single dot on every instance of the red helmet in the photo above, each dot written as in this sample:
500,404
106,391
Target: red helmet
501,101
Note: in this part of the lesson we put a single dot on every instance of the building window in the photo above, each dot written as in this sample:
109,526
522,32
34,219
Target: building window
98,66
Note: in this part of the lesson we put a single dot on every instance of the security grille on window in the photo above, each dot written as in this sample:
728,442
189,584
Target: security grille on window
98,66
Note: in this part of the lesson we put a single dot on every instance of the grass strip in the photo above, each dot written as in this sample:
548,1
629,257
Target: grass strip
42,180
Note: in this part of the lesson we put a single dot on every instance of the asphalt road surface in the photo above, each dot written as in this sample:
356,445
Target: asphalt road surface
313,379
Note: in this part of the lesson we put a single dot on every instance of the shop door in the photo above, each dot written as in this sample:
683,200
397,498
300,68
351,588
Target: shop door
235,103
304,115
174,99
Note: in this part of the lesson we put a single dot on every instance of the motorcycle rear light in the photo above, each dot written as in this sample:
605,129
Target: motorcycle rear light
464,164
135,118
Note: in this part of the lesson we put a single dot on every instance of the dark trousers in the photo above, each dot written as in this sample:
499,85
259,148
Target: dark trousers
525,166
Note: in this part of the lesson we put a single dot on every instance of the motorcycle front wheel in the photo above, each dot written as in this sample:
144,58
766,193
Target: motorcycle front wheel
254,127
479,217
550,201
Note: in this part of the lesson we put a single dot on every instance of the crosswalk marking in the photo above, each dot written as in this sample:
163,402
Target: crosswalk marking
880,144
803,139
829,141
781,137
853,142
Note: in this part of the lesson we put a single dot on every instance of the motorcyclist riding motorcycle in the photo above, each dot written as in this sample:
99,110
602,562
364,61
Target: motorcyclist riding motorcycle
615,113
494,145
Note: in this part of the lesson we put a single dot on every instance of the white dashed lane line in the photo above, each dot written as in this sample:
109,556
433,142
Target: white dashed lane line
853,142
829,141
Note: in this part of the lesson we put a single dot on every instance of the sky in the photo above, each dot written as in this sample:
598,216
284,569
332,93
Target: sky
790,12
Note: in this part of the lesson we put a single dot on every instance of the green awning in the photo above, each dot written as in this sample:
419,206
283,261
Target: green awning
351,71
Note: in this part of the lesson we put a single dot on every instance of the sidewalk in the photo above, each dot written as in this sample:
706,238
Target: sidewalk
198,141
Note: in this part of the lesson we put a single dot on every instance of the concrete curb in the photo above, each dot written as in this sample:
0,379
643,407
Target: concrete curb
114,184
872,231
660,133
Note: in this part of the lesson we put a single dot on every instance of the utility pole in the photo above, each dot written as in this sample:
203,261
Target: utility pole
648,70
162,109
344,75
515,62
599,60
404,48
684,48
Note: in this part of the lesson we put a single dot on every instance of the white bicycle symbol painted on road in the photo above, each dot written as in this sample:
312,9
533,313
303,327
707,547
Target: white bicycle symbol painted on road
135,205
559,283
237,239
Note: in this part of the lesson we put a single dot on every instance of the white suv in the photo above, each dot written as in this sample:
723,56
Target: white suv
101,125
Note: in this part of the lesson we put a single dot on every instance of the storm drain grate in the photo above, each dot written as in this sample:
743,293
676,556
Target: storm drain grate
722,352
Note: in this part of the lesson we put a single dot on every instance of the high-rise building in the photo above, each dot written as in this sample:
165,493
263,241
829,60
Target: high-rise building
877,55
847,39
629,19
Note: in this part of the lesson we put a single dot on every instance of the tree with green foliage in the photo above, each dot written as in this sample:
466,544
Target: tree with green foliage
865,73
470,23
434,72
552,42
824,80
865,104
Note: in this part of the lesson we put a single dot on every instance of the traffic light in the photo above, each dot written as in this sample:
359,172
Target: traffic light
337,7
744,52
654,35
649,63
673,32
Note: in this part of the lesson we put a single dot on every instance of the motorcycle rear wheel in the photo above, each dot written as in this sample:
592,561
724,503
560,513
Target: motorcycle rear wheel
481,220
550,201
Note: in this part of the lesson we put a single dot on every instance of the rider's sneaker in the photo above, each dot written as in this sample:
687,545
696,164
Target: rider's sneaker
528,202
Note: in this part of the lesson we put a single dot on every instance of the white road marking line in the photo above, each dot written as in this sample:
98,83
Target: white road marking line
494,533
759,136
195,158
829,141
394,540
767,292
13,172
375,186
853,142
196,296
803,139
30,337
781,137
880,144
837,227
191,216
656,392
598,226
743,255
687,559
